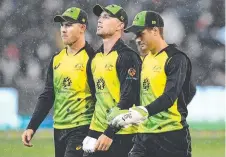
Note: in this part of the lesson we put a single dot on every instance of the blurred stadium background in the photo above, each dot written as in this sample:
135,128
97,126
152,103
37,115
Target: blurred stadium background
29,38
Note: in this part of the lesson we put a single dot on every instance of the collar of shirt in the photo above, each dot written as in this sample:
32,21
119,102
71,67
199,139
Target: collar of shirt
118,45
84,47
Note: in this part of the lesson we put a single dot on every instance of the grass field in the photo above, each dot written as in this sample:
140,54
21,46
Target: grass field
204,144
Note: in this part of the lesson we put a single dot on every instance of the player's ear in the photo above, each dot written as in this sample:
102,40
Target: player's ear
120,26
156,30
83,28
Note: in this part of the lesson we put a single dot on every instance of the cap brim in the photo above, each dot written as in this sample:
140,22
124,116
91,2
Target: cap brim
59,18
134,29
98,9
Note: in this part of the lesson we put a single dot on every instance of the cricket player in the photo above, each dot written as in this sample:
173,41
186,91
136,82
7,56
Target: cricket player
165,91
67,88
116,72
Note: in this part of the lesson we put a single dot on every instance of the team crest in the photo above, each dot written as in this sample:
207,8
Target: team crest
109,67
79,67
156,68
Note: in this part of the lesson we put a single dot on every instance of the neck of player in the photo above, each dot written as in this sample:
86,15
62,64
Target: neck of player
161,44
110,42
76,46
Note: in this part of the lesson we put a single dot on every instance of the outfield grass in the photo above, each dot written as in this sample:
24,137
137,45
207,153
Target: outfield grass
204,144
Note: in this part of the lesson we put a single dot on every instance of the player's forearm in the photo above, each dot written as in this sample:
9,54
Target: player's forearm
44,104
42,108
160,104
111,131
129,95
167,99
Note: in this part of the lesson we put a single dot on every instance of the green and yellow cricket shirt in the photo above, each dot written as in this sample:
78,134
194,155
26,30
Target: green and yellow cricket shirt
116,76
166,89
68,90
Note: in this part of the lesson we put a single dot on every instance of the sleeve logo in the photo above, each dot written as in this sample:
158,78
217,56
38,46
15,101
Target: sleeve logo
132,72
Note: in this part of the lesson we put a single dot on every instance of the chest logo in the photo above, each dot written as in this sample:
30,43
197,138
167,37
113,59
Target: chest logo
100,84
156,68
146,84
67,82
108,67
79,67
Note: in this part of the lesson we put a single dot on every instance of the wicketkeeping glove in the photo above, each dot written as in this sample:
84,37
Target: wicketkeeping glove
114,112
135,115
89,144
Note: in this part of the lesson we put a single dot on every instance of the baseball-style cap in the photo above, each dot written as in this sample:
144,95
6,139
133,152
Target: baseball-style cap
114,11
74,15
143,20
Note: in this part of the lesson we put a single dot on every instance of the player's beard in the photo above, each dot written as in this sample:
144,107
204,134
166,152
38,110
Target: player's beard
71,42
143,48
105,34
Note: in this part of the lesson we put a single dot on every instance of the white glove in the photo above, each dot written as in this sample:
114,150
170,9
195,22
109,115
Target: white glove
135,115
89,144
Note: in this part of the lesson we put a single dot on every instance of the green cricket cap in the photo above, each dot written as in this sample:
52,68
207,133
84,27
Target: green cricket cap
145,19
114,11
74,15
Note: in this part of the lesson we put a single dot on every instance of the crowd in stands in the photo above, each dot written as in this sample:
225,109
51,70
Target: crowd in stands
29,37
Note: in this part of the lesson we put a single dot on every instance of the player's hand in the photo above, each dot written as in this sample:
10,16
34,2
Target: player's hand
27,136
136,115
103,143
114,112
88,144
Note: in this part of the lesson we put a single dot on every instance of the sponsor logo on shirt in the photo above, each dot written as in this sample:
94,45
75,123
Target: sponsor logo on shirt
100,84
67,82
146,84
